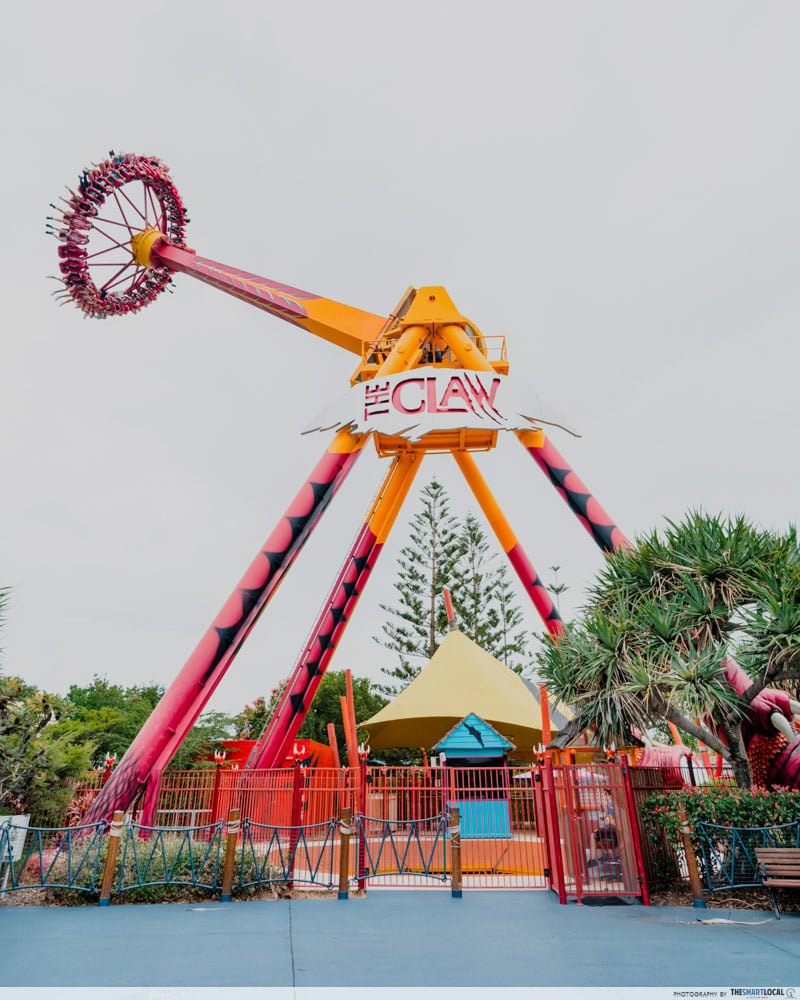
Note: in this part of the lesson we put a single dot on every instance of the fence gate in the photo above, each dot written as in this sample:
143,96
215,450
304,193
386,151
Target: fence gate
502,843
594,848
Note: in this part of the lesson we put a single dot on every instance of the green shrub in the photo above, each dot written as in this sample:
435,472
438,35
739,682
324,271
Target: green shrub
724,805
163,869
167,867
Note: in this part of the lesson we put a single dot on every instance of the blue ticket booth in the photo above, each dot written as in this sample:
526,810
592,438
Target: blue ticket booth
477,778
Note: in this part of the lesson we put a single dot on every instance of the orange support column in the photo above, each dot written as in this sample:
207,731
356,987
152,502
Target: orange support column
675,734
544,704
352,749
334,745
352,728
528,576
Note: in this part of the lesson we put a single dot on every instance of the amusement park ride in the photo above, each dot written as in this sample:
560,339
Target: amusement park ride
426,381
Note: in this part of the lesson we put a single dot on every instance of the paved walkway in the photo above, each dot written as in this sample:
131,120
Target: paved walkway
401,939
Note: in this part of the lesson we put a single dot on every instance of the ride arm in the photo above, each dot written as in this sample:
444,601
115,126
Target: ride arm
339,324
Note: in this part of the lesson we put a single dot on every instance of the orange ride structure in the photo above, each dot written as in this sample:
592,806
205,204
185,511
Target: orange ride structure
426,381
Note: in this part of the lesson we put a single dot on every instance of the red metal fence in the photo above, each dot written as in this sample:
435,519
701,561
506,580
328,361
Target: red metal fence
568,828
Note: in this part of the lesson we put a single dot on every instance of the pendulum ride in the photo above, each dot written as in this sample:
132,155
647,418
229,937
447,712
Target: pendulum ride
426,380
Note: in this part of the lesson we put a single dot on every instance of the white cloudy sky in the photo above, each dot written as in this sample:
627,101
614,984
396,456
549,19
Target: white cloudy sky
613,186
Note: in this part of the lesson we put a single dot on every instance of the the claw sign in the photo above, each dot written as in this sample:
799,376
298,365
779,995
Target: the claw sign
412,404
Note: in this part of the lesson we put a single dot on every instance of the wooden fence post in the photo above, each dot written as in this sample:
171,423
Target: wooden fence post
691,861
455,847
345,829
230,856
117,822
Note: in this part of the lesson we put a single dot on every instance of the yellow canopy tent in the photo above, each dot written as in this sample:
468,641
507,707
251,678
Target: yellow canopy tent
461,678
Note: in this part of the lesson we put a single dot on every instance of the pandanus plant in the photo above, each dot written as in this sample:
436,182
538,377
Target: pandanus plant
700,627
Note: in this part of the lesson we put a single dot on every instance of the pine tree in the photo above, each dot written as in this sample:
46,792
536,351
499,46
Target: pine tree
556,588
445,552
417,624
484,600
512,647
472,585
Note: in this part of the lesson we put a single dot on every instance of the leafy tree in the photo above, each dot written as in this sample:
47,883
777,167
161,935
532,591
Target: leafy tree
662,617
326,707
251,722
107,717
36,760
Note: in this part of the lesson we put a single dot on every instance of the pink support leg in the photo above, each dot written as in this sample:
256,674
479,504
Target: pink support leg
177,711
579,499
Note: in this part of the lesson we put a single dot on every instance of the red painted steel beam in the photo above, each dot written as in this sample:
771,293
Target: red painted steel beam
309,669
577,496
177,711
284,725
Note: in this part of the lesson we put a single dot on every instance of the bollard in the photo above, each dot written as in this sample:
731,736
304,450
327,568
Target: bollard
691,861
117,822
455,847
230,856
345,829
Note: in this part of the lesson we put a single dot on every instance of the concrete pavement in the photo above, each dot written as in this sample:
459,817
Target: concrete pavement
411,938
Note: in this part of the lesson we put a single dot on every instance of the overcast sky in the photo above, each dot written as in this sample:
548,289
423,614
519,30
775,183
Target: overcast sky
612,186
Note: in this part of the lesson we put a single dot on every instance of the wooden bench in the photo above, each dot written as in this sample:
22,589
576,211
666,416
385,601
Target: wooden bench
780,869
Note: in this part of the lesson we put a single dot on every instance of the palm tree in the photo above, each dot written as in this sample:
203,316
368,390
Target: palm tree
660,622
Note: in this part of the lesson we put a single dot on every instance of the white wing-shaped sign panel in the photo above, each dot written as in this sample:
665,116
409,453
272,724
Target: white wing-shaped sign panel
411,404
